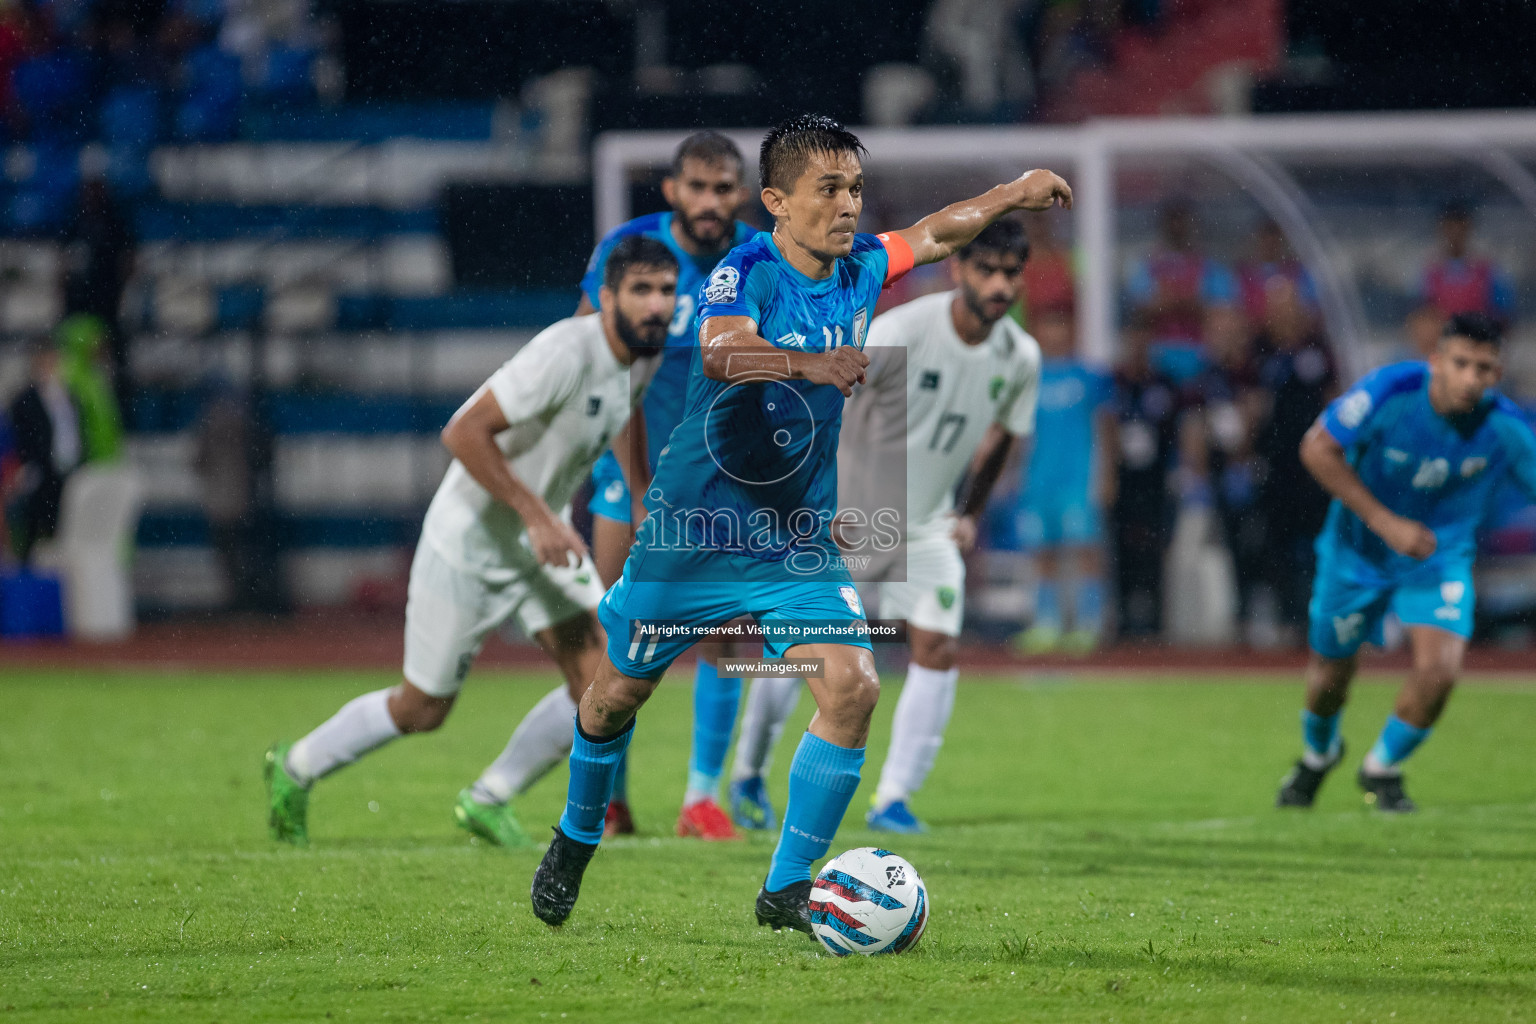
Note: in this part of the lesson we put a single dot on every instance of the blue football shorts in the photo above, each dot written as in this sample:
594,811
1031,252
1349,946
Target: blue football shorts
610,494
814,611
1346,612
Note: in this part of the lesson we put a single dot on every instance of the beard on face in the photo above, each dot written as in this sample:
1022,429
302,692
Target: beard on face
705,230
642,337
978,305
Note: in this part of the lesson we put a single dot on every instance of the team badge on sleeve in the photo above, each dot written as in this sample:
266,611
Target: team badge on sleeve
1353,409
721,288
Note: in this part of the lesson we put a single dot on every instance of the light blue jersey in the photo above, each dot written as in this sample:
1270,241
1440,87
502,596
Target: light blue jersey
764,455
1442,471
1055,505
664,398
740,507
667,394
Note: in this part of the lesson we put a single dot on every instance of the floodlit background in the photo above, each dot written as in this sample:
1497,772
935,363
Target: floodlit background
255,253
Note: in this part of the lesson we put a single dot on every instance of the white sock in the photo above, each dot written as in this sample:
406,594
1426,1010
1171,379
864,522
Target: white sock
362,724
917,732
770,701
540,741
1374,766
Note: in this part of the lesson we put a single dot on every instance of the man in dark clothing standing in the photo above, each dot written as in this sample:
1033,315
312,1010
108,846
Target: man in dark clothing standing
48,446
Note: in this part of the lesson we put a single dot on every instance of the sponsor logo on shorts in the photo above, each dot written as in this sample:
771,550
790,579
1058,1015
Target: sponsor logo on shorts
1347,627
614,491
851,599
946,596
1451,592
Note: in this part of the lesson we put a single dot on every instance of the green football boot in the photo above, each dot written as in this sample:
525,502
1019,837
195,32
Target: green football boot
495,823
1080,642
287,801
1039,639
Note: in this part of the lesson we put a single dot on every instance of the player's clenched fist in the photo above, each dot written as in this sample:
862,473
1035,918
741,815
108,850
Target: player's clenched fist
556,542
1408,537
842,368
1041,189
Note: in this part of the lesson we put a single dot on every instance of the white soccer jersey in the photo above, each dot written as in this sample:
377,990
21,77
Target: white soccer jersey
565,396
953,392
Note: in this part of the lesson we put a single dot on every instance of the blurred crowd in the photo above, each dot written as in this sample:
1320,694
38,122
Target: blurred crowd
1222,369
131,74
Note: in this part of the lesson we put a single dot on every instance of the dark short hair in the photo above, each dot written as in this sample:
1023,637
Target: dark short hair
1478,327
636,251
710,147
1001,236
788,146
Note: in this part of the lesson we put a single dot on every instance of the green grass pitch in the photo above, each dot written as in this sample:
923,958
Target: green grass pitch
1102,850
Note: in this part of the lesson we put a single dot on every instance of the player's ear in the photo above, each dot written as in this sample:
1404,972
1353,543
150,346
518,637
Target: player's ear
606,297
774,202
669,189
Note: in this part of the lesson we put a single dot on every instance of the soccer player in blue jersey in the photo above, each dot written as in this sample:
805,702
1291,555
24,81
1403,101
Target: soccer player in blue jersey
1413,455
705,192
1065,484
741,505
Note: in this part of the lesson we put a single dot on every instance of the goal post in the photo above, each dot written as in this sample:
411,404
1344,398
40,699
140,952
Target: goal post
1355,195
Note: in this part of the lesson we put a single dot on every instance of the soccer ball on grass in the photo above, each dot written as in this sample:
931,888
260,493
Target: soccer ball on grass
868,901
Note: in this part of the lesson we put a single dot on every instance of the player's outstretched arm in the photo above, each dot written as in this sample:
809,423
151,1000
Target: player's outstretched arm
734,352
939,235
471,437
1324,458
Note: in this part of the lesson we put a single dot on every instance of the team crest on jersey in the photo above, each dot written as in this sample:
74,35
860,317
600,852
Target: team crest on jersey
860,321
995,387
1473,466
722,285
594,404
946,596
1431,474
1354,408
929,381
851,599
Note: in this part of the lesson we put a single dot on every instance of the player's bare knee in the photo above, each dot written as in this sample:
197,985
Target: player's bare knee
414,710
934,651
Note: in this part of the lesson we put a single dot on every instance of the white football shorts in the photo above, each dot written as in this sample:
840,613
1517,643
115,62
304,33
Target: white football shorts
450,611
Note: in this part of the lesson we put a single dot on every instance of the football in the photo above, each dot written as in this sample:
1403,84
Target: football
868,901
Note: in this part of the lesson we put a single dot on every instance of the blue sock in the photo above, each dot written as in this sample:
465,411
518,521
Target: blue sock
593,764
1320,733
1398,739
715,701
1088,605
621,779
822,779
1048,605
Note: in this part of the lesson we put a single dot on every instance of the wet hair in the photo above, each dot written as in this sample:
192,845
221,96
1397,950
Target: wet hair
1477,327
1001,236
636,251
788,146
709,147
